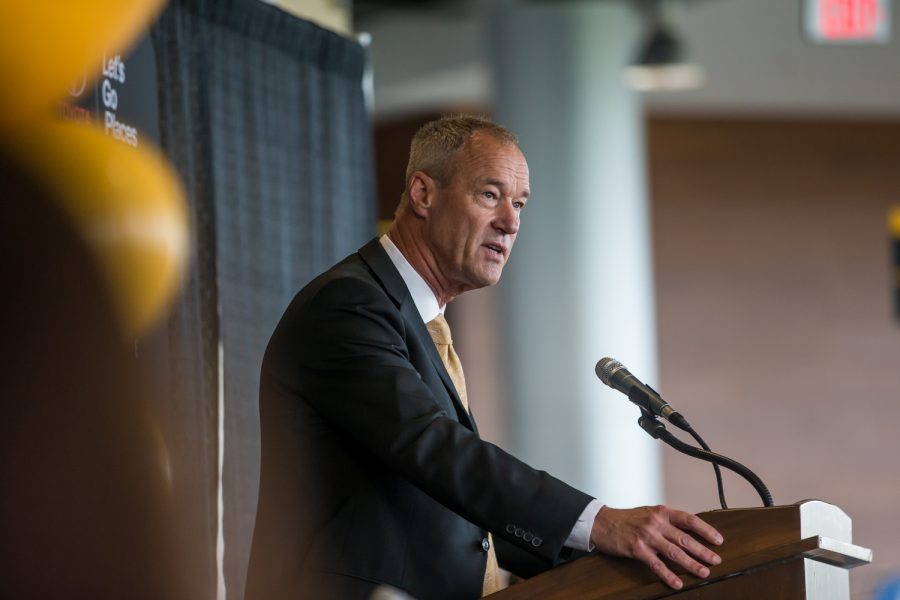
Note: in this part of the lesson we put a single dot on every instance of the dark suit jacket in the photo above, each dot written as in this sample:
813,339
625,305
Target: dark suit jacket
372,472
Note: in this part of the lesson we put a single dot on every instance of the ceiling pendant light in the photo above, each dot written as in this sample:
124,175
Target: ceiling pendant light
659,63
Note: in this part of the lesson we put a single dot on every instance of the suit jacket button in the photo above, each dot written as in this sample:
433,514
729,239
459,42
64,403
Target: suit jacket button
519,532
528,536
510,528
536,542
485,544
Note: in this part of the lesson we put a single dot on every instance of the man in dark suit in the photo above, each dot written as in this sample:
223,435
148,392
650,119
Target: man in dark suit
372,468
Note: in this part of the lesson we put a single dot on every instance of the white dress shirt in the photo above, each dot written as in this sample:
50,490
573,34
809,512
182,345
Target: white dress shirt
427,304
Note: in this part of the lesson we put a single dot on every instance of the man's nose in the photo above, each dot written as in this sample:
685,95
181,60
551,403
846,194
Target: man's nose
507,219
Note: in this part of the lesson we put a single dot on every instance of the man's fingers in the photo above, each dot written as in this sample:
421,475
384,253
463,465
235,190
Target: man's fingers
675,554
687,521
695,548
659,568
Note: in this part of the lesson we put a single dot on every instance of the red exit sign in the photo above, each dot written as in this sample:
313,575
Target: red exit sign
848,21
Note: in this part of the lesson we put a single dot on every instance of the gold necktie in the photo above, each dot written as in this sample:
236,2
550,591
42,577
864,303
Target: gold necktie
440,335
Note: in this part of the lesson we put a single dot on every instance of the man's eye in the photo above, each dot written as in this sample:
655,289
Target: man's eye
519,205
489,195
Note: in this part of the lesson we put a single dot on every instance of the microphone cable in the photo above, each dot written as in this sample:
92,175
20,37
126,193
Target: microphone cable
718,471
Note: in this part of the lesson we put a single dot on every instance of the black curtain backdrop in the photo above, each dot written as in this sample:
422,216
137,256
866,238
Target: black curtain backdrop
263,116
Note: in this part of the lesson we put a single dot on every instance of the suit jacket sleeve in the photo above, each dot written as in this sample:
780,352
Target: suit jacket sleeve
359,376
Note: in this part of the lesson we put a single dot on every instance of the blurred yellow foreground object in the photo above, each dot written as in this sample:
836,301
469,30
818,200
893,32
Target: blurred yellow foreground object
48,46
125,202
894,220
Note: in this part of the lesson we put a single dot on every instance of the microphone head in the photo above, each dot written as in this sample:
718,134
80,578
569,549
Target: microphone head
606,368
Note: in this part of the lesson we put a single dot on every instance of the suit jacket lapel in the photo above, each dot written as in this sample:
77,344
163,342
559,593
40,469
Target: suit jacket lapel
375,256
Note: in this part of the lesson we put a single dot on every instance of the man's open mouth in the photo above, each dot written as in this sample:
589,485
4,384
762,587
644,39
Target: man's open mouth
497,248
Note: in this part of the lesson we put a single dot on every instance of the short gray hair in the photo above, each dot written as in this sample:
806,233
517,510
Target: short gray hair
436,143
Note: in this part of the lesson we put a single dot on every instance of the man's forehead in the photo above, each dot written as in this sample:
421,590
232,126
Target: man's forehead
488,153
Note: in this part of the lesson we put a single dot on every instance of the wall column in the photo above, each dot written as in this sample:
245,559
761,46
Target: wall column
579,283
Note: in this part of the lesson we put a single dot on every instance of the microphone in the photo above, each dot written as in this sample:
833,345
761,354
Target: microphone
614,374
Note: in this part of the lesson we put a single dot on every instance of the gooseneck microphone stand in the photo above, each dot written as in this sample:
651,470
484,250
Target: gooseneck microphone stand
657,430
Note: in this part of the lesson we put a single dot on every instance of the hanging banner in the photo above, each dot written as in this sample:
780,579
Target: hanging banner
124,99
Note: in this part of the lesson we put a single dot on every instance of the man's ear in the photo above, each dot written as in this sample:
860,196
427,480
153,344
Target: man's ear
421,190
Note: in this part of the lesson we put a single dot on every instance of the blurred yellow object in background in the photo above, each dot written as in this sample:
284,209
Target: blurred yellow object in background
894,221
126,203
48,46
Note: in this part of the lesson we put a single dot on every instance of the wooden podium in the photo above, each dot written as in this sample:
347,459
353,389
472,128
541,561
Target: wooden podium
777,553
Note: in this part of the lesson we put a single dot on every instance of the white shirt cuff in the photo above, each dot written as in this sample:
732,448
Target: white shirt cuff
580,538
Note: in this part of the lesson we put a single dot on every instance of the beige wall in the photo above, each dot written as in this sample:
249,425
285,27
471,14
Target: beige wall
330,14
777,336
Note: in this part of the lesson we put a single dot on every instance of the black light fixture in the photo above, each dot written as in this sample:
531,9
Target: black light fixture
659,63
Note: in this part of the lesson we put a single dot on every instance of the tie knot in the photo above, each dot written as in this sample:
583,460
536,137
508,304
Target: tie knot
439,330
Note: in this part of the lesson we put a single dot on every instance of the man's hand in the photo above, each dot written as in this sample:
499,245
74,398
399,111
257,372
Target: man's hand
652,533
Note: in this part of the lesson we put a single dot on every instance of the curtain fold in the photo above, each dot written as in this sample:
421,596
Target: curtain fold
263,116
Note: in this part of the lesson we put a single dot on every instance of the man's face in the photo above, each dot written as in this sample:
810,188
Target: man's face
475,216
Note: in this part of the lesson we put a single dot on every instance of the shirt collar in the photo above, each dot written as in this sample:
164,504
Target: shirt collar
425,300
